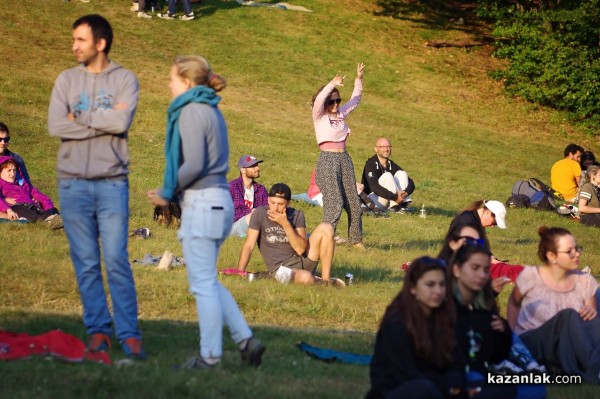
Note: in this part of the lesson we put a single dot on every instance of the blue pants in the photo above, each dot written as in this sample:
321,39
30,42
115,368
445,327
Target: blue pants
95,211
187,7
206,219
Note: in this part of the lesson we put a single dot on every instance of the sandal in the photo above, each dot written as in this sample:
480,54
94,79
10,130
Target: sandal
339,240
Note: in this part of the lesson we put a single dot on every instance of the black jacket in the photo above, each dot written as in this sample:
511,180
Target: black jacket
396,362
373,171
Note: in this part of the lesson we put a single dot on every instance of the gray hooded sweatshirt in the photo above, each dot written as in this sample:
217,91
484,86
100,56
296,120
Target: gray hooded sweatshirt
94,145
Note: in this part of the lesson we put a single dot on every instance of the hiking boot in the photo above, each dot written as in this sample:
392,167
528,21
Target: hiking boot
166,16
187,17
143,15
252,353
197,363
132,347
98,343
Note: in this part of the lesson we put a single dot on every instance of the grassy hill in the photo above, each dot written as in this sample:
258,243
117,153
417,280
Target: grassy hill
451,128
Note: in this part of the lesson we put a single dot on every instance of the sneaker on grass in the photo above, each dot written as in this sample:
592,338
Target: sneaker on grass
98,343
132,347
187,17
252,352
166,16
197,363
143,15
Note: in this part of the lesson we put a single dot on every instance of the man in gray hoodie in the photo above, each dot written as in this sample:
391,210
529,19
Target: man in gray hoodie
91,109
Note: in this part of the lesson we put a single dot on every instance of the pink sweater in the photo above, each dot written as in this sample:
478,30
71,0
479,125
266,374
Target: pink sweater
329,129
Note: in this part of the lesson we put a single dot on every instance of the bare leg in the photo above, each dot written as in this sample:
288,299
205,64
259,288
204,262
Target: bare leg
321,248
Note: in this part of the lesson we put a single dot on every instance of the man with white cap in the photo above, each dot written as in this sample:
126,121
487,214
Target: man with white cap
246,193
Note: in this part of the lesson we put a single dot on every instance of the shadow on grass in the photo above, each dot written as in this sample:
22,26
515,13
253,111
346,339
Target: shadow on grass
286,371
208,8
438,14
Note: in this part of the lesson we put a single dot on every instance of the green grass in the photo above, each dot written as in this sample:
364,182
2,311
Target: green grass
450,126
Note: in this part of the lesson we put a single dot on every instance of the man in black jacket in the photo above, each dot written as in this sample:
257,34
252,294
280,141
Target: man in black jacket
386,183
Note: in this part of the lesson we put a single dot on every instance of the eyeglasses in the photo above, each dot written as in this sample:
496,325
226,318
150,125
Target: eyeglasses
334,101
572,252
5,139
383,146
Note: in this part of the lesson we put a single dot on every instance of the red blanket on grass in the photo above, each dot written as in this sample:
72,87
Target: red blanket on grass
55,343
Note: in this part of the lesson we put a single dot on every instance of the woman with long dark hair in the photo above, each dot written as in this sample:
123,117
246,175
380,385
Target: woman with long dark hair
335,170
483,336
197,152
414,350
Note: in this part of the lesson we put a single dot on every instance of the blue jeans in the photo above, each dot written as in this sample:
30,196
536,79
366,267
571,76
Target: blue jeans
94,210
206,219
187,7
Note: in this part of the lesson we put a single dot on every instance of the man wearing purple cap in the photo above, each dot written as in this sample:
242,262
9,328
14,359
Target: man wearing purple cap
246,194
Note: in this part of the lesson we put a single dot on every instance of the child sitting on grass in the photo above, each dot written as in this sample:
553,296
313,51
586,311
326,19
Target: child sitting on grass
24,201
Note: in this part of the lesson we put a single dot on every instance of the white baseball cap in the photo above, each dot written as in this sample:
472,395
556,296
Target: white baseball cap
499,211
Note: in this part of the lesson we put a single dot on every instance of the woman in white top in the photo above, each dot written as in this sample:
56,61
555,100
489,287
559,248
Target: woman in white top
553,308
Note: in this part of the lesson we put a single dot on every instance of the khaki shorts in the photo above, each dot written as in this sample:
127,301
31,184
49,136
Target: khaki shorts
299,263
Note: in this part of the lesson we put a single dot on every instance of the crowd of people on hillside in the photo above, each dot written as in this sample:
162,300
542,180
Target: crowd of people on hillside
438,338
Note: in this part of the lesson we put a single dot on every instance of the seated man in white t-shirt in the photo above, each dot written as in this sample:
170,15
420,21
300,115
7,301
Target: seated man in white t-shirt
280,233
246,194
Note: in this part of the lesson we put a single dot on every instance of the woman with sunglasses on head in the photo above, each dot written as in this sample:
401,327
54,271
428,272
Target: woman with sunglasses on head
335,170
197,152
483,336
553,308
414,353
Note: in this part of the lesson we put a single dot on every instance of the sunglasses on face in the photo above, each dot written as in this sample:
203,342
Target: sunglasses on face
474,242
5,139
334,101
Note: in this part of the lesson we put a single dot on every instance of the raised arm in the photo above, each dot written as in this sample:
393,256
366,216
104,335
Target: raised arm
318,109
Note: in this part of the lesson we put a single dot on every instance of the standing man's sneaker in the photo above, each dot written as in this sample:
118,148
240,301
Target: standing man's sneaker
132,347
166,16
142,14
187,17
134,7
252,352
98,343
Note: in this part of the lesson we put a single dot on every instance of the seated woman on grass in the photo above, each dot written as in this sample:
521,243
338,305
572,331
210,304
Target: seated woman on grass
589,197
415,345
553,308
483,336
520,360
24,201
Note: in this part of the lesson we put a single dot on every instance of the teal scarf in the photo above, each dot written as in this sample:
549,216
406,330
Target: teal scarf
197,94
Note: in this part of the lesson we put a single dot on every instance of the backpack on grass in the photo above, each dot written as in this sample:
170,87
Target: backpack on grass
532,193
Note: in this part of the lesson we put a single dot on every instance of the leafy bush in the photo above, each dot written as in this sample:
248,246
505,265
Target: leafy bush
553,48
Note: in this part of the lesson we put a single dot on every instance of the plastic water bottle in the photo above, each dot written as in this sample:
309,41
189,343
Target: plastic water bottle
423,212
